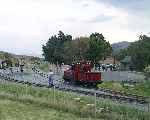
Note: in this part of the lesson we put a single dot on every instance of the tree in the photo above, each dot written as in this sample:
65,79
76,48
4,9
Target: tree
147,72
99,48
53,50
139,52
62,48
76,49
121,54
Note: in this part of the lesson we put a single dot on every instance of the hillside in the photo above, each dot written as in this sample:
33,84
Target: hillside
120,45
15,58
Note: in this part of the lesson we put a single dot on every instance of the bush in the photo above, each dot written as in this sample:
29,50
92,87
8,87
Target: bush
147,72
44,67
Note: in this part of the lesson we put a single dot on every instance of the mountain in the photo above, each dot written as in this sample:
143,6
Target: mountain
120,45
14,58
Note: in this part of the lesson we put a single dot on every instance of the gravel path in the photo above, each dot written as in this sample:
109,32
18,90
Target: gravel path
122,75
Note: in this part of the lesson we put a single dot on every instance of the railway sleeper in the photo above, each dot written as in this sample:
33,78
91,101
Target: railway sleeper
29,83
37,84
130,100
141,99
20,81
121,98
142,102
101,95
15,80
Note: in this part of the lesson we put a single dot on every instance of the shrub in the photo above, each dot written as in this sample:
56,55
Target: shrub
147,72
44,67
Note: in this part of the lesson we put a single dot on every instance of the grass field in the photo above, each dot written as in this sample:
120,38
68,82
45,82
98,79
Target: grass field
21,102
44,67
142,89
14,110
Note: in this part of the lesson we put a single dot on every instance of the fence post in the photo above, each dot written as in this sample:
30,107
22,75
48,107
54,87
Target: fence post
26,85
95,104
54,93
26,89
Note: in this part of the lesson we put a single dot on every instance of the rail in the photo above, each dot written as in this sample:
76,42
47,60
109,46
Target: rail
100,93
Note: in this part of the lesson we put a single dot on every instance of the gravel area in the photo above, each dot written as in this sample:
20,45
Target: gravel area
122,75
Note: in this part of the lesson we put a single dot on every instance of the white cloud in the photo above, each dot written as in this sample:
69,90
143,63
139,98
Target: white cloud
26,24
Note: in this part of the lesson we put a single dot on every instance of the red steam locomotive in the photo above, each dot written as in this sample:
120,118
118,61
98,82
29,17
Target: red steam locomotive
81,73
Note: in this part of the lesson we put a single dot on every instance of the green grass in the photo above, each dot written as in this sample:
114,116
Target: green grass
14,110
35,101
142,89
44,67
111,85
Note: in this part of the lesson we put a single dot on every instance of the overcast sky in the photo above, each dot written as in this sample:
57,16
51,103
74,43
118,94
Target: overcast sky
27,24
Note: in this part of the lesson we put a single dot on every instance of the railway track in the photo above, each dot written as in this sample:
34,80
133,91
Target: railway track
120,97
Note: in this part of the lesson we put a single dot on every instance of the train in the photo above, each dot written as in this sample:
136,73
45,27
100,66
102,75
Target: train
81,72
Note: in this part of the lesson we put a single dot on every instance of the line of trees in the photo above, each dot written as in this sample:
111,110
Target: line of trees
139,52
62,48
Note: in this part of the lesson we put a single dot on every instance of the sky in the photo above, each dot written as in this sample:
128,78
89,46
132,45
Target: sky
27,24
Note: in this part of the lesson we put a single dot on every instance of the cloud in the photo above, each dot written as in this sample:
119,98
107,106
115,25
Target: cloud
101,18
136,7
137,23
85,5
128,4
27,24
138,13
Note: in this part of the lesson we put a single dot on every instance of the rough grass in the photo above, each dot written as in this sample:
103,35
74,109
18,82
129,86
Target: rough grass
14,110
50,100
142,89
44,67
111,85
